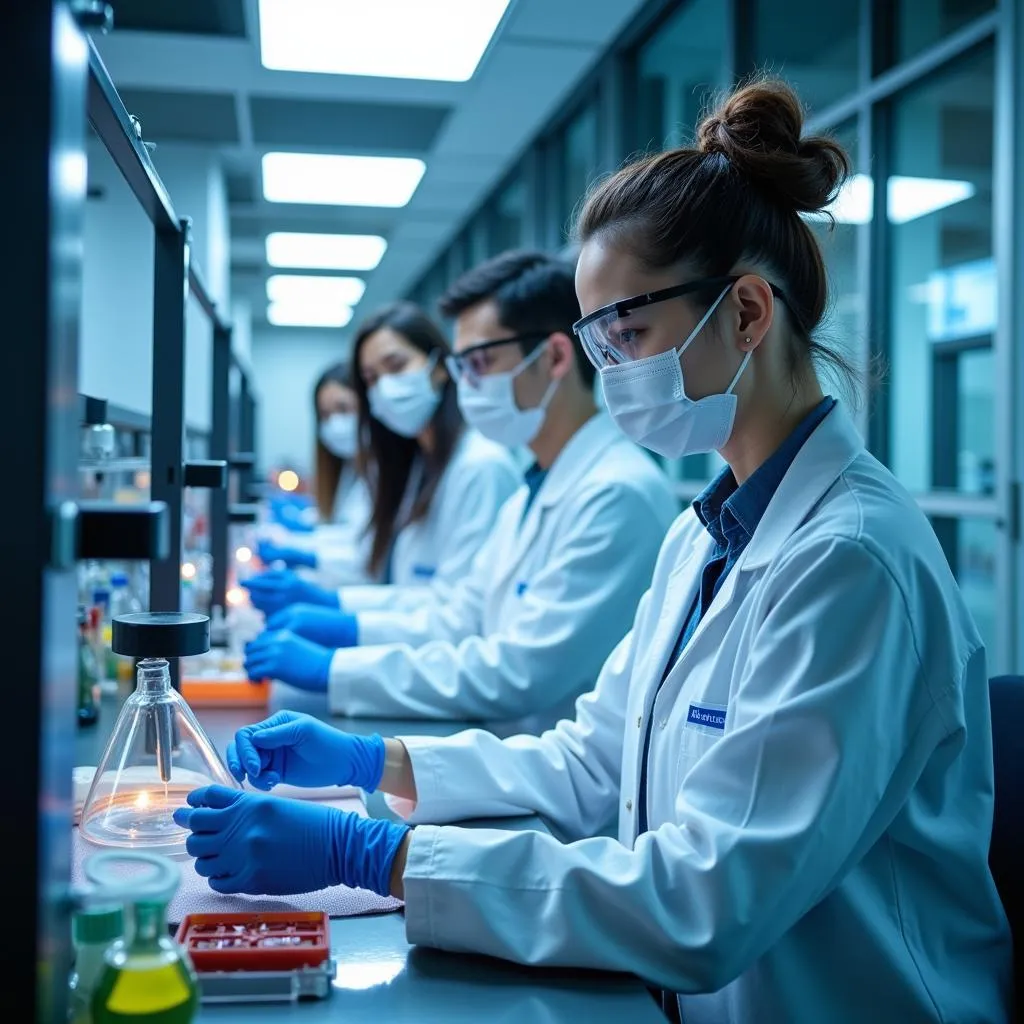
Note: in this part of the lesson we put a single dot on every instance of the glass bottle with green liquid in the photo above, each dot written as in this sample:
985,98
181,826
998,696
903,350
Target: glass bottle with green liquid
146,975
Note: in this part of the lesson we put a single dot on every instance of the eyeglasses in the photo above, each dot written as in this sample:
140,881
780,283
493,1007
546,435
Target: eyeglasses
606,334
609,338
471,364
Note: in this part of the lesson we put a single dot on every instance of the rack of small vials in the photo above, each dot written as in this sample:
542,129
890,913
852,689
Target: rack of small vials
271,957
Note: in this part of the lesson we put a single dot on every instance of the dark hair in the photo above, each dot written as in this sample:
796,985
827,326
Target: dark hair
328,465
388,457
735,196
532,291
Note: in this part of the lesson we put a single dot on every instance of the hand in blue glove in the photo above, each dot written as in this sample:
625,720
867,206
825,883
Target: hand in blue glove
277,589
283,655
270,552
266,845
323,626
288,515
303,751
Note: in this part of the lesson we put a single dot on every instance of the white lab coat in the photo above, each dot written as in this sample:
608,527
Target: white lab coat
548,598
479,478
343,545
819,857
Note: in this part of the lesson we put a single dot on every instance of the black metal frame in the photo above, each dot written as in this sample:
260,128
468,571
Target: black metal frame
42,94
175,277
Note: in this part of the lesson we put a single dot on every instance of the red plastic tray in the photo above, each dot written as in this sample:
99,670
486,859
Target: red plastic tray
255,942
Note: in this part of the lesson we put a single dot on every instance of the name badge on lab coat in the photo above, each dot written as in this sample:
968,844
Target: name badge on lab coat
709,718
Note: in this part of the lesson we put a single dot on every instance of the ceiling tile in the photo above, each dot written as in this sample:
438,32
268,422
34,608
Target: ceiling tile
240,187
378,127
187,17
183,116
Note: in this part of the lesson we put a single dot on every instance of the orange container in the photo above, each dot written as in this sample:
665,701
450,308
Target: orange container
224,692
282,941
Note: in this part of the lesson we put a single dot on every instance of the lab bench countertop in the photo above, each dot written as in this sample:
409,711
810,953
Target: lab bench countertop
379,976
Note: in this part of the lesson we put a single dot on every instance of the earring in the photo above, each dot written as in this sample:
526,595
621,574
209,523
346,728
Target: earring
746,342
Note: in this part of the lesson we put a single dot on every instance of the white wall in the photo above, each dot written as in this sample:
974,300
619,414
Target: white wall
286,364
117,290
241,334
115,358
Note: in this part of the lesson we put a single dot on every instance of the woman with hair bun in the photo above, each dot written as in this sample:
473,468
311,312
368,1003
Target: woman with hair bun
795,736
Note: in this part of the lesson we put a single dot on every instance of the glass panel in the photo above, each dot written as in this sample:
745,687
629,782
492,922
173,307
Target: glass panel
677,69
814,46
580,163
508,217
842,331
913,25
942,433
970,546
477,240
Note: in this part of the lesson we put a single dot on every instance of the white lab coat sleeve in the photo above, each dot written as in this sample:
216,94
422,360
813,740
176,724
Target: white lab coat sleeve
475,494
553,647
831,725
569,775
441,611
343,563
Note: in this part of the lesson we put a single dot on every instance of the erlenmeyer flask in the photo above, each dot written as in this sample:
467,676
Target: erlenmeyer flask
158,752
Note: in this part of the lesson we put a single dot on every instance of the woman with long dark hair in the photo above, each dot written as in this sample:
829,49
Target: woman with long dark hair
339,545
436,487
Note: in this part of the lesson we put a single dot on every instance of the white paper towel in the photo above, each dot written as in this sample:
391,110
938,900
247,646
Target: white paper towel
194,895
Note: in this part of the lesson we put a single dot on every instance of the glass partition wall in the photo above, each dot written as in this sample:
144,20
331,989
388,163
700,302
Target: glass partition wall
926,258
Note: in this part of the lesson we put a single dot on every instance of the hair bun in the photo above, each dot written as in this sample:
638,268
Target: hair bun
758,130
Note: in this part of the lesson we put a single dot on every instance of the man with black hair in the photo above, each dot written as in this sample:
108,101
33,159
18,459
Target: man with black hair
555,587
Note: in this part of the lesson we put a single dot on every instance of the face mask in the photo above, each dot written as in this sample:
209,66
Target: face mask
491,408
405,402
647,400
339,434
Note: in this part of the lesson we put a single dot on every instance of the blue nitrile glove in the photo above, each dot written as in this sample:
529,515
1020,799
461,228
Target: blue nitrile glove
270,552
323,626
283,655
275,589
291,517
303,751
269,846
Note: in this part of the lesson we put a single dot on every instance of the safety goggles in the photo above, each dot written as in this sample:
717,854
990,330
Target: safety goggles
609,336
473,363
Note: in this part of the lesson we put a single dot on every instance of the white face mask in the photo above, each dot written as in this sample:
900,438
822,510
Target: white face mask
339,434
647,400
405,402
490,406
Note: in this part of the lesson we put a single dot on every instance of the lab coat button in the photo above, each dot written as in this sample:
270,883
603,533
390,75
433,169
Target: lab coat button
629,805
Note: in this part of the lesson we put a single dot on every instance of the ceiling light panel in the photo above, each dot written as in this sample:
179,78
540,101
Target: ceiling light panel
287,314
327,179
303,251
442,40
294,288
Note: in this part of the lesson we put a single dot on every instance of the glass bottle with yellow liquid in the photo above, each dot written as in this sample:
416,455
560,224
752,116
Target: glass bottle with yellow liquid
146,975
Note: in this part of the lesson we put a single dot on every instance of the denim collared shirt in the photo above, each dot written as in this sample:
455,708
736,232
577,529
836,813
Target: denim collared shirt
730,513
533,478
